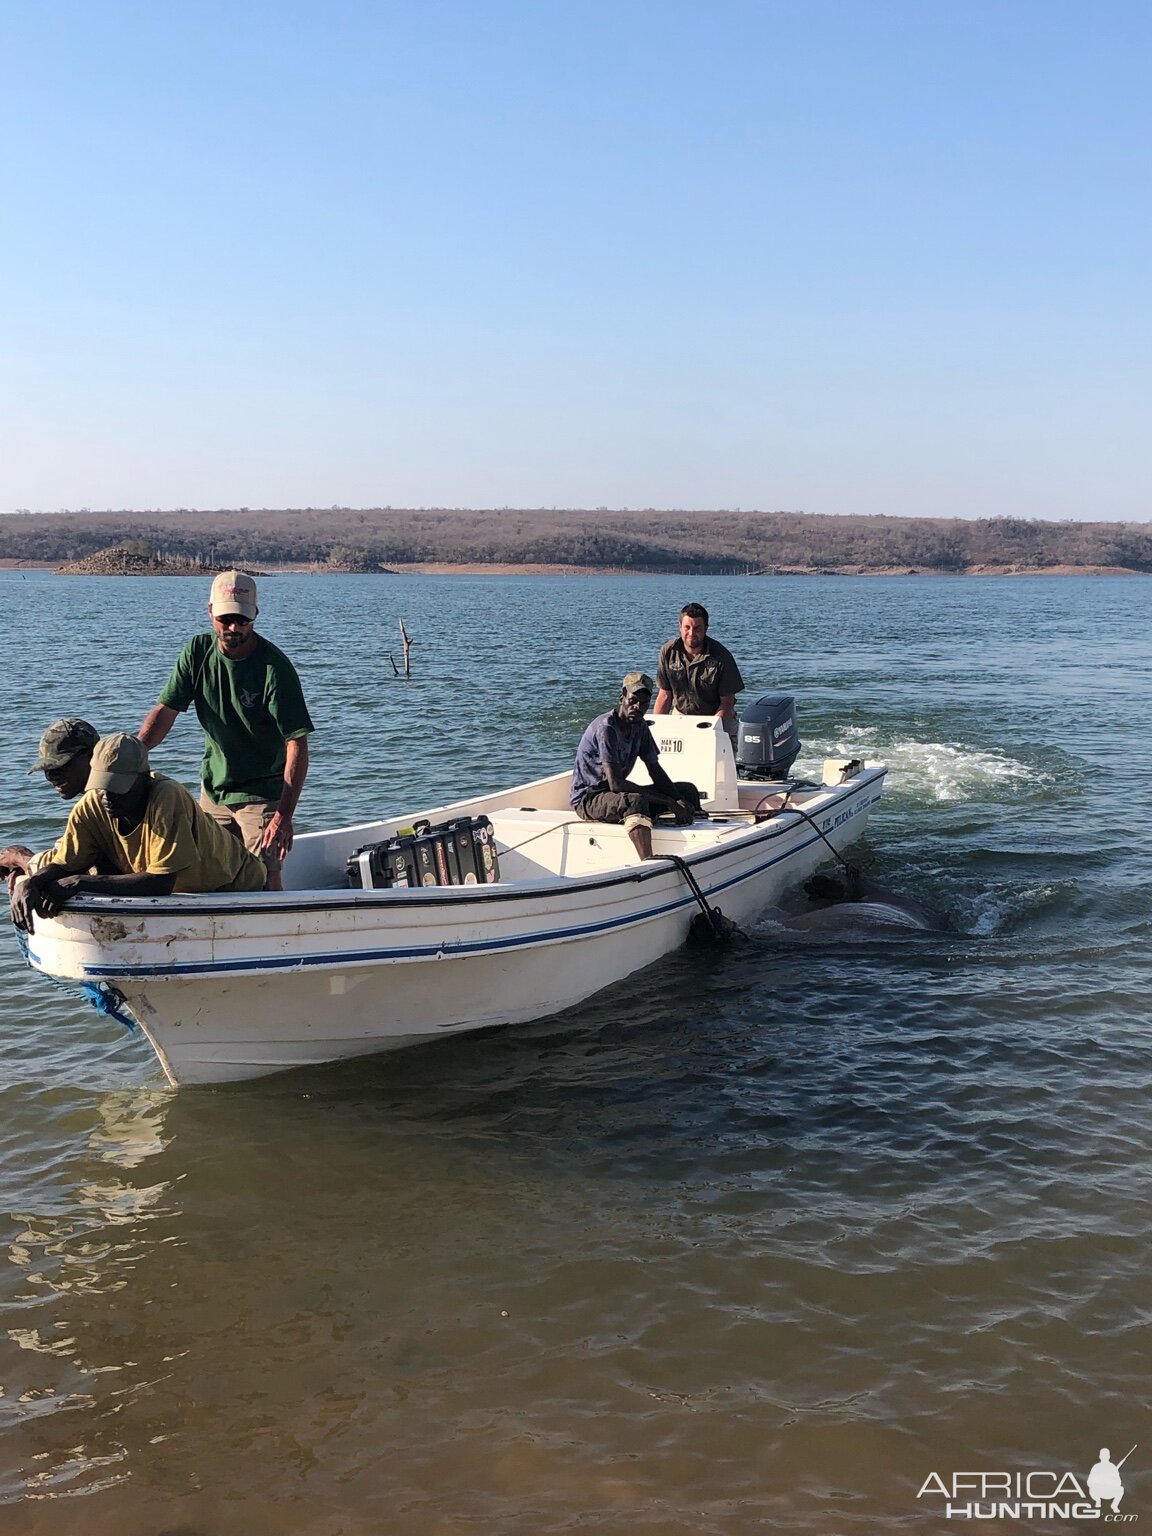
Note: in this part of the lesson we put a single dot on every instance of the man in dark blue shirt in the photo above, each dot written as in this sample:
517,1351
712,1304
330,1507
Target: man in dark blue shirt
609,749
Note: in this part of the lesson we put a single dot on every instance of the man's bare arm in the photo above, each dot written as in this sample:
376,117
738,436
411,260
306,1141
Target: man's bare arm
615,778
665,790
156,724
279,832
51,888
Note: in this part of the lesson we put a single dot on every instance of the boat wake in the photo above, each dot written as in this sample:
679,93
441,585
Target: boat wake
936,771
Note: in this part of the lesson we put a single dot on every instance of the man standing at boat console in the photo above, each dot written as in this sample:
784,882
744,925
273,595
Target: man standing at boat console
609,749
256,725
696,675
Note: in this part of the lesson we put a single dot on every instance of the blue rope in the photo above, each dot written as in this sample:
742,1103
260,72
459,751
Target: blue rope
104,998
109,1001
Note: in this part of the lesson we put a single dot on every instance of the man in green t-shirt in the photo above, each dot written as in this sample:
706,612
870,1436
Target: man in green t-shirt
256,725
146,828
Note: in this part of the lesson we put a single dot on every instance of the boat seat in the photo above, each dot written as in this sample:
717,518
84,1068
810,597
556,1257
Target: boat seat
528,816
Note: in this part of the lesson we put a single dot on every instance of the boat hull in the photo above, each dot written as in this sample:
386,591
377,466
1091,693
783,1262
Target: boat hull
229,988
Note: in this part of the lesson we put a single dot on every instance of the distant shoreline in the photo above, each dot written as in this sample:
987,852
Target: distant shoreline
433,568
543,542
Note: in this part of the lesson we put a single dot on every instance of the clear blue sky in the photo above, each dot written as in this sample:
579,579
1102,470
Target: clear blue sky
825,255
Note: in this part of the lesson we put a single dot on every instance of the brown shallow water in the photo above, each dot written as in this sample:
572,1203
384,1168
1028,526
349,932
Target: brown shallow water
737,1248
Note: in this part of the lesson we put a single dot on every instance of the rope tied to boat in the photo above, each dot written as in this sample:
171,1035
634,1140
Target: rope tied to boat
102,996
853,872
710,926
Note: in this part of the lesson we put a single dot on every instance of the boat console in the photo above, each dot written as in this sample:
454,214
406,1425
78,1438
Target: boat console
699,749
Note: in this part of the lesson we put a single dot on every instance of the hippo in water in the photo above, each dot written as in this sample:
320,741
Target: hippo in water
853,902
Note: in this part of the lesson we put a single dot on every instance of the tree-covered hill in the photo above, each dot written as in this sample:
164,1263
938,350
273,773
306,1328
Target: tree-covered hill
702,542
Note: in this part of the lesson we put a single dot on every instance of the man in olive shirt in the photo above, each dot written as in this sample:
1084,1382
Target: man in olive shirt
696,675
256,724
136,822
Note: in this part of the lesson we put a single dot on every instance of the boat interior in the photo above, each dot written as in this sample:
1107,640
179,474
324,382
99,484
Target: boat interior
539,836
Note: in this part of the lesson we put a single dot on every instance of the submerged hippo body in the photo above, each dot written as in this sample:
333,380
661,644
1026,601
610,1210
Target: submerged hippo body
853,903
844,915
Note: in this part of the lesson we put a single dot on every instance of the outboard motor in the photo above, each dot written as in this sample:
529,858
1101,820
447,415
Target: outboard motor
768,744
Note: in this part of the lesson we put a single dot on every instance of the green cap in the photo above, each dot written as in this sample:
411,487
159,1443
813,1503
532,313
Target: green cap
61,742
638,682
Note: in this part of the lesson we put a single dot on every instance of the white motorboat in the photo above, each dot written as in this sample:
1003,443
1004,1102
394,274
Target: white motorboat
228,987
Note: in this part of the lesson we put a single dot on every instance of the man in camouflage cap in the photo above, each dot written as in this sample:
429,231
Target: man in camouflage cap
609,749
65,756
65,753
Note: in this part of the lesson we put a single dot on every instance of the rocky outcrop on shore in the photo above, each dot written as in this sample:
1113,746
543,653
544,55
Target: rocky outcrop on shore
129,560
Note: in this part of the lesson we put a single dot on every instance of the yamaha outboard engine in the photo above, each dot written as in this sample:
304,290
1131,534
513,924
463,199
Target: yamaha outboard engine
768,744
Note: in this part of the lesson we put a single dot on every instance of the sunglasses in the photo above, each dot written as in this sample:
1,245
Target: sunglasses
228,619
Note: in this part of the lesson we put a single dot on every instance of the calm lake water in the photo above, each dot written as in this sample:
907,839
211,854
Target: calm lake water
750,1244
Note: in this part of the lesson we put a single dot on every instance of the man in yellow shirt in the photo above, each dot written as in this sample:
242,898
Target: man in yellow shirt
145,825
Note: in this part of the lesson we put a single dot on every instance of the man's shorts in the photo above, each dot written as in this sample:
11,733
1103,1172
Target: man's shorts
632,807
632,804
247,822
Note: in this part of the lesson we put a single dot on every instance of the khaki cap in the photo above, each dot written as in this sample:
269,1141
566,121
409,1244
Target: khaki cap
117,762
233,592
638,682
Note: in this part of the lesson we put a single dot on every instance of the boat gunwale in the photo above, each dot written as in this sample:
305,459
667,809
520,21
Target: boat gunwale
441,948
336,898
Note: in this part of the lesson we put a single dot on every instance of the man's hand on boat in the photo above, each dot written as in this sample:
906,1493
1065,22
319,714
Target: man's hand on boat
278,834
46,892
34,895
682,812
14,863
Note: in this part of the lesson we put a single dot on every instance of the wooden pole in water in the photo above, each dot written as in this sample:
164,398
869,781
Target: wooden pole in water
407,648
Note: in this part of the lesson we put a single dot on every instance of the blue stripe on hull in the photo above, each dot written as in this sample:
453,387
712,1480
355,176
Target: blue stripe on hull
448,947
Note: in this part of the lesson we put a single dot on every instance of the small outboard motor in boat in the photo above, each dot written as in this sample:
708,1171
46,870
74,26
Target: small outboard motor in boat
768,743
